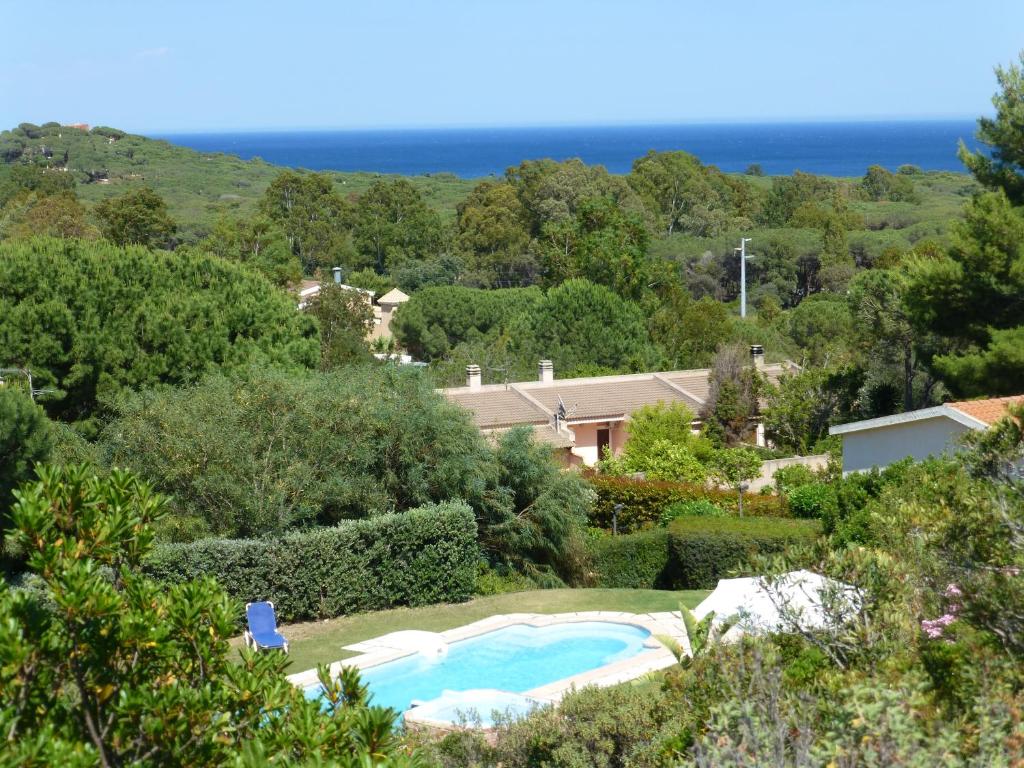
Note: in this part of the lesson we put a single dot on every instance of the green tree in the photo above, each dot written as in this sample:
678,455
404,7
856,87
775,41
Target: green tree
734,390
345,318
822,327
879,184
1002,167
581,324
435,320
57,215
493,228
257,242
102,666
971,293
538,524
331,446
688,332
602,244
314,218
681,192
92,320
392,224
138,217
27,437
802,407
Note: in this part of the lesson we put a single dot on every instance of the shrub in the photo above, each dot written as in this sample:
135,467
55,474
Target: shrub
788,478
644,501
695,508
634,561
705,549
816,501
500,580
426,555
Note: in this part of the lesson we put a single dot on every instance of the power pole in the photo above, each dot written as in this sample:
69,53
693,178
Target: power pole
743,274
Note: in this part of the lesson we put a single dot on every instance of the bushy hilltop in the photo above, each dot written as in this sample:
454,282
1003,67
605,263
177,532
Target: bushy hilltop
199,187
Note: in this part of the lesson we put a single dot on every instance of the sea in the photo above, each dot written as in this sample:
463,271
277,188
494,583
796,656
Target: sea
830,148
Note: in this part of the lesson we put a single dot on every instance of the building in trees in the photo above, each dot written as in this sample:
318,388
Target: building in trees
917,434
583,417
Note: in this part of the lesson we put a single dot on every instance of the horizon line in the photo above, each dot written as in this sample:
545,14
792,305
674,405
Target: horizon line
410,128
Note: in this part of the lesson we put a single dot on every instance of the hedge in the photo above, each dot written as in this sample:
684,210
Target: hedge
644,501
692,552
634,561
706,549
422,556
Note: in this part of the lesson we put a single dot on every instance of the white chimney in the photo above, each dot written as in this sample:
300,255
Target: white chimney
757,355
473,377
546,372
337,274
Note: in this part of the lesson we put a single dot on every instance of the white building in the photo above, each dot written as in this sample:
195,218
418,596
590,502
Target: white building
917,434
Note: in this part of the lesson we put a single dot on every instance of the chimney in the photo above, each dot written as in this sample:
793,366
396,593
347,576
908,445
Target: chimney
757,355
337,274
473,377
546,372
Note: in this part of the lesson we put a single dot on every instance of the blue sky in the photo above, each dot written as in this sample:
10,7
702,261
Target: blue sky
182,65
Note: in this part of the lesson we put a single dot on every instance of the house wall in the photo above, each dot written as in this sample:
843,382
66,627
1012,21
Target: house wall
585,449
883,446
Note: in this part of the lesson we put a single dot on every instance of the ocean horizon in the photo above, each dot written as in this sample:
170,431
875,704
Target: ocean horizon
830,148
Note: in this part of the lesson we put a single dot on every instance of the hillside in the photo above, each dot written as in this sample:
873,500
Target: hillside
198,187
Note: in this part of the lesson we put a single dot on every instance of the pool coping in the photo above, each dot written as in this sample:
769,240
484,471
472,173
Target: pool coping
394,646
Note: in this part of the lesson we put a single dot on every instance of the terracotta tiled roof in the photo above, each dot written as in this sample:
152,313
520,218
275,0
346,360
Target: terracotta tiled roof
498,407
989,411
596,398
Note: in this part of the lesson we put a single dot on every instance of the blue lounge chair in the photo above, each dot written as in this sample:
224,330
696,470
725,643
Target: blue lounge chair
262,633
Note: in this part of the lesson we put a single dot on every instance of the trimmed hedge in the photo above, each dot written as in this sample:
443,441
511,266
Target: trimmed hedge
644,501
422,556
692,552
705,549
634,561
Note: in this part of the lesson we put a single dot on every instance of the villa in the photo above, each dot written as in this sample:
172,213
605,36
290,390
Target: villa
383,307
583,417
916,434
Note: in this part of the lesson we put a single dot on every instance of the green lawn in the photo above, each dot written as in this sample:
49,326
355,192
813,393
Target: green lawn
323,641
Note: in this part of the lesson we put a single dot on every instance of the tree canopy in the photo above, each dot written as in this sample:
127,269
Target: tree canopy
92,319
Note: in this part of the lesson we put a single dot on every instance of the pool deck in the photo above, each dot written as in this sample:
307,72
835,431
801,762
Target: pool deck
397,645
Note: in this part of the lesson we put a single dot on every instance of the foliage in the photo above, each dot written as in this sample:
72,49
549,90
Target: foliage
802,407
345,318
633,561
437,319
493,228
813,501
1002,166
258,242
644,501
138,217
57,215
107,667
331,446
579,324
418,557
788,479
707,549
734,390
692,508
91,319
391,224
879,184
534,518
969,294
27,437
312,215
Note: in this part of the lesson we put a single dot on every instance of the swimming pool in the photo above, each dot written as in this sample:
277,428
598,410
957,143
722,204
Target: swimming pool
516,659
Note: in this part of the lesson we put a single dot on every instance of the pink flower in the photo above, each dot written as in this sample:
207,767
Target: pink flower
935,628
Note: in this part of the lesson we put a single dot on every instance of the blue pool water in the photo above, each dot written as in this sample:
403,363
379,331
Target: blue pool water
515,659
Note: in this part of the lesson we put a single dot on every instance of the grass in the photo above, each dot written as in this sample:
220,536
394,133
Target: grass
317,642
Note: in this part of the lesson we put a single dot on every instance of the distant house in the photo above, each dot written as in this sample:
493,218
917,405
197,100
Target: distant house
916,434
383,308
585,416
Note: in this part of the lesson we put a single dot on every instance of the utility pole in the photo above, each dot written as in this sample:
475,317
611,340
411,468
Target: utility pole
743,274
